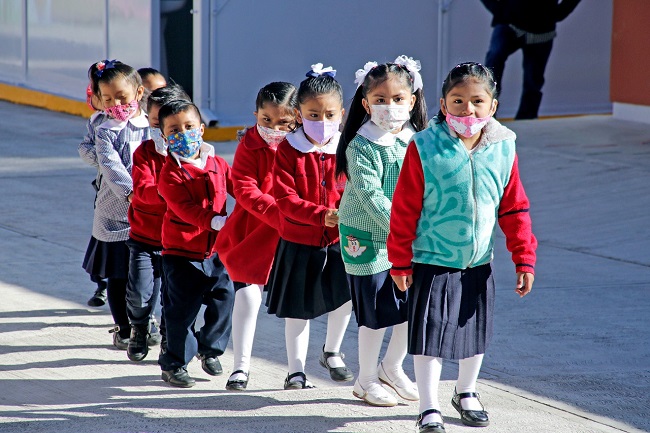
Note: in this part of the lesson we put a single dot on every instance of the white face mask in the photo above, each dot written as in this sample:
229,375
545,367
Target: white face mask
390,117
161,144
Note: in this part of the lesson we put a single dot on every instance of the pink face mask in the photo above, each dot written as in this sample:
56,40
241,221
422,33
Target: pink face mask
320,130
123,112
466,126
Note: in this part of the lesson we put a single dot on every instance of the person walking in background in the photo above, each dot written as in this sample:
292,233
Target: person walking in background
529,26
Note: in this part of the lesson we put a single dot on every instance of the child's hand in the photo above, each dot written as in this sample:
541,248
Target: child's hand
403,282
331,218
524,283
129,198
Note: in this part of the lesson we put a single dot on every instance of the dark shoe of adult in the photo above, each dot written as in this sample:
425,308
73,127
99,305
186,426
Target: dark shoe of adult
137,349
300,383
178,378
121,343
154,337
430,427
99,298
238,384
338,374
472,418
211,365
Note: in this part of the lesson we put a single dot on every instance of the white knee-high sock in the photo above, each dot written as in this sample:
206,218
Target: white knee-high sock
244,319
396,351
427,376
296,334
370,341
337,323
468,370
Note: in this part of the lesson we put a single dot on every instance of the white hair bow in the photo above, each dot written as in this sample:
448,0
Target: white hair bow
413,66
361,74
317,70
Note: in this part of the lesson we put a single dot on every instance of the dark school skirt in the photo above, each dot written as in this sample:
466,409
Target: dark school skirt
107,259
306,281
450,311
374,302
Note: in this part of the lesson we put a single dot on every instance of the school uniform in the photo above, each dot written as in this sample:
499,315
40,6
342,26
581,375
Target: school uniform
446,206
195,192
145,238
308,276
247,242
374,161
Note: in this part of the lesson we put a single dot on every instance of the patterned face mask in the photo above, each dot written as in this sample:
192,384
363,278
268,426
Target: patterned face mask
320,130
466,126
271,136
389,117
123,112
185,144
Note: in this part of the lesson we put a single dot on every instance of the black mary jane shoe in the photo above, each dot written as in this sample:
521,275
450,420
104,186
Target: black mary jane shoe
472,418
303,383
430,427
338,374
239,384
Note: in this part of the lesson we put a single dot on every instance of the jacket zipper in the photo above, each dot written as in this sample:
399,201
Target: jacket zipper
475,211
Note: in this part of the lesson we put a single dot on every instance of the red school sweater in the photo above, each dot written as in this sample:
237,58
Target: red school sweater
194,196
148,207
246,244
305,187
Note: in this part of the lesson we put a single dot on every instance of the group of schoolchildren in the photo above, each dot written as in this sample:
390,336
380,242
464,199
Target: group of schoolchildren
391,216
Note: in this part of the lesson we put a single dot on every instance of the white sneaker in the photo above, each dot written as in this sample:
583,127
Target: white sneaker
402,384
374,394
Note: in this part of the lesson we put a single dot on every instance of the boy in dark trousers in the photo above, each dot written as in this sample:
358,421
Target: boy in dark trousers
194,182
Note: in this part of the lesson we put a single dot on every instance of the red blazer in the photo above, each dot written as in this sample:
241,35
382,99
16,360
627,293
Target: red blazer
247,243
194,196
148,207
305,187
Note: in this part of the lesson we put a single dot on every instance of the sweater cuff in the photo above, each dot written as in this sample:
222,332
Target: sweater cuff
525,267
401,271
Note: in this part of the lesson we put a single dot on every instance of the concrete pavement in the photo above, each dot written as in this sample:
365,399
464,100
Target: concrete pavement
574,356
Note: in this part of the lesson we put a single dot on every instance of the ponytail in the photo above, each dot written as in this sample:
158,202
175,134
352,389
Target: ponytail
419,112
357,115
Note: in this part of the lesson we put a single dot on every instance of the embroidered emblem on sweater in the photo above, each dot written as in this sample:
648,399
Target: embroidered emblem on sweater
354,248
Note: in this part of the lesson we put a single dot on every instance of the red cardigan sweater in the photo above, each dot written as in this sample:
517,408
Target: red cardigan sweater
247,243
148,207
194,196
305,187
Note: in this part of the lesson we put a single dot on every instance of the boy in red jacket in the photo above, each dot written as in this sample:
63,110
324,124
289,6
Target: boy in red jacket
194,182
145,218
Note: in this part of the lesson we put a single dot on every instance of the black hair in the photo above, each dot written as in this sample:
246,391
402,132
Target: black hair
165,95
463,72
278,93
174,107
320,85
106,71
357,114
148,72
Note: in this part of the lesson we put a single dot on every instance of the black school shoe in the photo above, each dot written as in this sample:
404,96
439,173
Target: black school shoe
99,298
211,365
472,418
338,374
430,427
137,349
121,343
239,384
178,378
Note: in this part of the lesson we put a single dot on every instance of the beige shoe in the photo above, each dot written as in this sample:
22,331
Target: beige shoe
401,384
374,394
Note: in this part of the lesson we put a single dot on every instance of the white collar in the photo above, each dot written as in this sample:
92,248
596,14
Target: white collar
299,141
140,121
375,134
205,151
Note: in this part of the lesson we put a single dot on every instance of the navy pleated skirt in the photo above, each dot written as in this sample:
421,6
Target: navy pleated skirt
374,302
450,311
306,281
107,259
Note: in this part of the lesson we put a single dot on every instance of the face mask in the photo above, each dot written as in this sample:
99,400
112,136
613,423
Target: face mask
270,135
89,97
123,112
389,117
320,131
156,136
185,144
466,126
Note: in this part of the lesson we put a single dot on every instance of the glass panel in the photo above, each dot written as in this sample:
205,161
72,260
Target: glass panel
11,37
129,35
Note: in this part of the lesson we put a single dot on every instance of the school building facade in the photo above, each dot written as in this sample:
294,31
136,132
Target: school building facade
223,51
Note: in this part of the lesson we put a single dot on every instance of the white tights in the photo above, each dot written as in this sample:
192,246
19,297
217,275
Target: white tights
370,341
244,320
